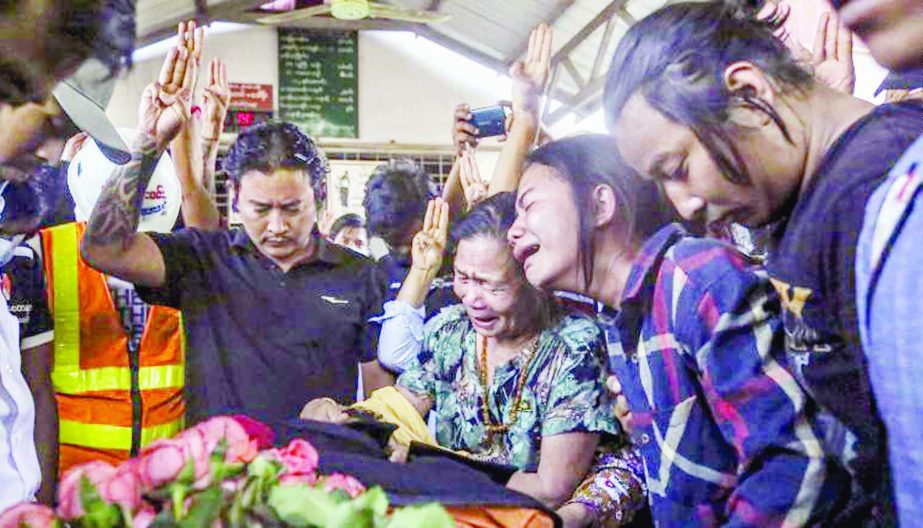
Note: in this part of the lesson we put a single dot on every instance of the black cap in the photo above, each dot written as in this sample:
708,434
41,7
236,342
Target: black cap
902,80
90,117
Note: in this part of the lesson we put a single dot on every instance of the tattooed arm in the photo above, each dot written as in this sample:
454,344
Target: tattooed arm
112,243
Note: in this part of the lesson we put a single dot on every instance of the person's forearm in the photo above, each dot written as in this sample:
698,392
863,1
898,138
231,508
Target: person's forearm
112,243
374,377
36,365
508,169
533,485
198,208
209,160
416,286
453,194
46,442
115,218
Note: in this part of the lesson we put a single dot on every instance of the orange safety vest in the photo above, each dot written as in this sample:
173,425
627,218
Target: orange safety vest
103,399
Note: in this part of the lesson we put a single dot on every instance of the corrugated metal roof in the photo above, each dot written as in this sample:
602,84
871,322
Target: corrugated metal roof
495,32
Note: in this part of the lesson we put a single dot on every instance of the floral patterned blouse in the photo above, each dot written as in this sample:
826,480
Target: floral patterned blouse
564,392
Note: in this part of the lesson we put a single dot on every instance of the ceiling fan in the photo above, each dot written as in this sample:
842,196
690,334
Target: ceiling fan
287,11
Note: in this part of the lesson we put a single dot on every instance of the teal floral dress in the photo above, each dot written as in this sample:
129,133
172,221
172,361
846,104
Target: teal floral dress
565,392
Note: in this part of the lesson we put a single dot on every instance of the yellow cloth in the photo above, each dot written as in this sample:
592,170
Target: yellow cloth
394,408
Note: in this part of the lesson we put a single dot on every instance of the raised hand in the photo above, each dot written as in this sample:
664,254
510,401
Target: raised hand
73,146
325,223
217,100
833,59
474,187
463,132
429,244
164,107
530,74
192,38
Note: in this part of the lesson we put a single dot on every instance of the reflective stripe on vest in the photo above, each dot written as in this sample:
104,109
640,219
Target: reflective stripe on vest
105,365
66,299
100,436
117,378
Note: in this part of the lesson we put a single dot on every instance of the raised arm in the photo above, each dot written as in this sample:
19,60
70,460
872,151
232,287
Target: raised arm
474,187
112,243
831,60
464,138
217,96
427,253
529,79
187,149
402,323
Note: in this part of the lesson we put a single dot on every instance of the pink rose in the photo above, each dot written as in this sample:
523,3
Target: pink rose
161,462
240,447
299,458
196,449
122,488
70,503
343,482
145,517
298,480
257,430
27,514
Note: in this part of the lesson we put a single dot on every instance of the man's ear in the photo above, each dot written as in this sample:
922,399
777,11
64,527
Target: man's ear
746,80
605,205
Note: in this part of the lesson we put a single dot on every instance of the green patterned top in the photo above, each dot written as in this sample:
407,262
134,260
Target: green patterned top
565,389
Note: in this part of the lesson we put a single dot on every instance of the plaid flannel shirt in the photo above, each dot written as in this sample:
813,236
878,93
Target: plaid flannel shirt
723,426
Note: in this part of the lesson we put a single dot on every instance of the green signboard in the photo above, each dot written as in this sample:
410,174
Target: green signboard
319,82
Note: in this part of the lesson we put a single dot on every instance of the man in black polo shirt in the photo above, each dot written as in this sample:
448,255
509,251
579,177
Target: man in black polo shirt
275,316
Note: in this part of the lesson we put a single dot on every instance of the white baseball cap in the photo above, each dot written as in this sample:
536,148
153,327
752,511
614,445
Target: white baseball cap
89,116
91,168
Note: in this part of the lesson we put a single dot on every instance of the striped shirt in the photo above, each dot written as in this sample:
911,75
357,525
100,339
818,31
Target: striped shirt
723,427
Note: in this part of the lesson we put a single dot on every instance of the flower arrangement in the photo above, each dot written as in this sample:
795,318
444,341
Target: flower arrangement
222,472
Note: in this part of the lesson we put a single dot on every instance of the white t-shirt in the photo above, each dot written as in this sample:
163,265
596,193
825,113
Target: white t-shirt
20,475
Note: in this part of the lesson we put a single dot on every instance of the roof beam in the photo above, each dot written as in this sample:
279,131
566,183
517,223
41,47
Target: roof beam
558,11
574,73
587,100
490,61
603,50
627,17
608,12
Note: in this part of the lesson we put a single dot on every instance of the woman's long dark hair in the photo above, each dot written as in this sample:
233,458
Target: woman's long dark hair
676,58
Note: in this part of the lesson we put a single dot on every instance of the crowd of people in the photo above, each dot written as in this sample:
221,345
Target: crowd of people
704,317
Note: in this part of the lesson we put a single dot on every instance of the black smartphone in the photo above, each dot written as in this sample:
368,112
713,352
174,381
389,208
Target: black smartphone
490,121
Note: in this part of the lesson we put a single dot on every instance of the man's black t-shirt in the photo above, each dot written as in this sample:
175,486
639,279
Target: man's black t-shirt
811,263
261,341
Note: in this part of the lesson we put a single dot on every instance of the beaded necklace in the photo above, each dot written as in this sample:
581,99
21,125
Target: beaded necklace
499,428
